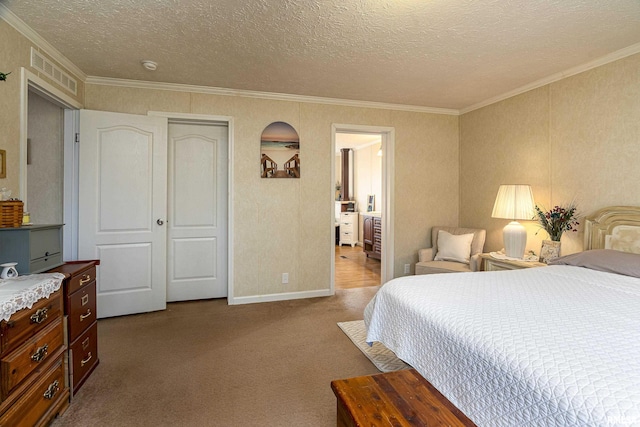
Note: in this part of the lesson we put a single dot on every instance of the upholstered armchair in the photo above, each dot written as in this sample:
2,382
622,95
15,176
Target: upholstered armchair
453,250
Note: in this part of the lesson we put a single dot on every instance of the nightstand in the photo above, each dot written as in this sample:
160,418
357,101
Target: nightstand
490,263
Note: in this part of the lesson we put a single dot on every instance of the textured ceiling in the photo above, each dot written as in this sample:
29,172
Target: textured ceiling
433,53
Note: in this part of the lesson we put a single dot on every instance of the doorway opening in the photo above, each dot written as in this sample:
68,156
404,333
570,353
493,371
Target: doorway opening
362,214
48,128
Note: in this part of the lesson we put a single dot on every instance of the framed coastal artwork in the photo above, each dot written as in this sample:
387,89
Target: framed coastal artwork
279,151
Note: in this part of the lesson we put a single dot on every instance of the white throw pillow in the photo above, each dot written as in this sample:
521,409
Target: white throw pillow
454,247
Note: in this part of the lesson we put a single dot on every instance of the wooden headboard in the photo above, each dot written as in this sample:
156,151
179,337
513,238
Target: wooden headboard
614,227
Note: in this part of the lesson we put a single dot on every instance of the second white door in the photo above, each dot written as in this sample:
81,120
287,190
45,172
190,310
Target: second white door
197,211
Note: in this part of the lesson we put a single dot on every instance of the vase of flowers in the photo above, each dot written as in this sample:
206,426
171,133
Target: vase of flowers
555,222
558,220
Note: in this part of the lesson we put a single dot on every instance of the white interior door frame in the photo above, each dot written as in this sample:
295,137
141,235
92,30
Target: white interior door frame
229,121
30,81
388,149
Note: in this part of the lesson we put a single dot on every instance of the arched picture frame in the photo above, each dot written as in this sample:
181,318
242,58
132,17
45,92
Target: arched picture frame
279,151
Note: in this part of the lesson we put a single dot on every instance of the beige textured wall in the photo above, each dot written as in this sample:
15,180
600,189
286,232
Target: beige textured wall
15,51
426,181
575,138
285,225
45,174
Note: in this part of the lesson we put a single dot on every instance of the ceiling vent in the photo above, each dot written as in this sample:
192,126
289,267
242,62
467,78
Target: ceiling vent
42,64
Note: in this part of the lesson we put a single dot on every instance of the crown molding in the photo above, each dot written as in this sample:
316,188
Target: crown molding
35,38
614,56
141,84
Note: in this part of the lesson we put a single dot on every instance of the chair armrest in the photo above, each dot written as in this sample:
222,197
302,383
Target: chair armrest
475,262
425,255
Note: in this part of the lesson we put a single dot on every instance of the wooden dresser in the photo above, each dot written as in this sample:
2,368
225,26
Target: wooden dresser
33,388
372,236
80,306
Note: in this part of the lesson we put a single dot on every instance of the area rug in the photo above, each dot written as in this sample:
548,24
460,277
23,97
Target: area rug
383,358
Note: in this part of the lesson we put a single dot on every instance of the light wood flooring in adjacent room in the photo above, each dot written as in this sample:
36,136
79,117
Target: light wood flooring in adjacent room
354,269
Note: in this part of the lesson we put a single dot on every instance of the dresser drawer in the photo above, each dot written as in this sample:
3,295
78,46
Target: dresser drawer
45,242
82,279
348,218
39,403
346,235
35,352
83,356
46,263
82,310
347,227
27,322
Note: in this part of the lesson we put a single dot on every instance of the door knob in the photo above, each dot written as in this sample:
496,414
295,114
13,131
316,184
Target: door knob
160,222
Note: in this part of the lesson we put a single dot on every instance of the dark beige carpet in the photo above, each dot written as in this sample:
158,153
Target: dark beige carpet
205,363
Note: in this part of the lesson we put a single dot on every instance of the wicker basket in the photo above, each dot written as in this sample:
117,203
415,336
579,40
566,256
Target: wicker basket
11,213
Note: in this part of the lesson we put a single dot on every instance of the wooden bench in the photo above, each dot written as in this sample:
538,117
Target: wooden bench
400,398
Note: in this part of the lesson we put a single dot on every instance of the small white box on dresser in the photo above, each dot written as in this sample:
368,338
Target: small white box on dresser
348,228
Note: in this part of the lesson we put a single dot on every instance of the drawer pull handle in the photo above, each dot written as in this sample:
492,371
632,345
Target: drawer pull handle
39,316
40,353
84,316
86,278
52,390
85,360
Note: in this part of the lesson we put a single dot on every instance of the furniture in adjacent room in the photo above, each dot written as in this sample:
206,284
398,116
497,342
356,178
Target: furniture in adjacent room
33,388
489,263
372,235
402,396
80,307
36,248
342,206
348,228
459,251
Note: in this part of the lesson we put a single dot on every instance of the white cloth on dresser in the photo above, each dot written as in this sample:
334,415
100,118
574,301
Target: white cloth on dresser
24,291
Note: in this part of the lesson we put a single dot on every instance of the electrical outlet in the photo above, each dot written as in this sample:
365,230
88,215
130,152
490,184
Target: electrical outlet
285,278
407,268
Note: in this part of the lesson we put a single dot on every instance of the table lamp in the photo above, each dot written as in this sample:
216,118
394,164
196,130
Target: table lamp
514,202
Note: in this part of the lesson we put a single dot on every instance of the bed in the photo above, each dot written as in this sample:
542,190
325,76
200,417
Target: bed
549,346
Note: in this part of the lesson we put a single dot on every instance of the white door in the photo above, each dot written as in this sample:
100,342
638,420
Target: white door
122,209
197,226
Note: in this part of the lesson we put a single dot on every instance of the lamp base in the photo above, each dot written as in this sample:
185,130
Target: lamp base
515,239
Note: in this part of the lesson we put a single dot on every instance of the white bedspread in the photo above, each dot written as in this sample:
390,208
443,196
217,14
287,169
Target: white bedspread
550,346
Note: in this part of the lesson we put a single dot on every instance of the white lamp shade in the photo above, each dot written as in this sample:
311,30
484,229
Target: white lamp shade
514,202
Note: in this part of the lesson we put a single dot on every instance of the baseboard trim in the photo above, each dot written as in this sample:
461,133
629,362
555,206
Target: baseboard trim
280,297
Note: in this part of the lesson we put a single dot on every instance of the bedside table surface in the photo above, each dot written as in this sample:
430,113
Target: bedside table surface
507,263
